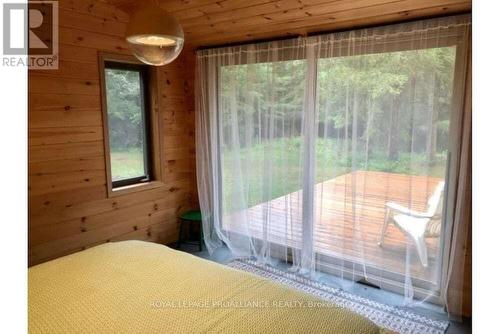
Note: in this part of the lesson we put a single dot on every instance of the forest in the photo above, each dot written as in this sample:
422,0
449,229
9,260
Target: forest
385,112
125,123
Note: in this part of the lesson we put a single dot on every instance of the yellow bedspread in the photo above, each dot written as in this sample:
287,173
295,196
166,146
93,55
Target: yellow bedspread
140,287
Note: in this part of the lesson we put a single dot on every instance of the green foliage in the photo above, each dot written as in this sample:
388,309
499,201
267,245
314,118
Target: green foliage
125,123
383,112
273,169
123,94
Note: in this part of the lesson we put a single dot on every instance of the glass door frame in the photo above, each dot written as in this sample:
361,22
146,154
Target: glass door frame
312,52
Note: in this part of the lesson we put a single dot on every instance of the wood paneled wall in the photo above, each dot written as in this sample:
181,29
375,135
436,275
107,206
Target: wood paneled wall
68,205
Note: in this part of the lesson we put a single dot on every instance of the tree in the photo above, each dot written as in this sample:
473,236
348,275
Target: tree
124,109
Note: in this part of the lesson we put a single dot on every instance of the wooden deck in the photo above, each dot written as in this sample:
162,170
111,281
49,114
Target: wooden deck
349,215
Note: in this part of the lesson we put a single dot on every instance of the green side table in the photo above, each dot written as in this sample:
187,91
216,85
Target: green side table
190,217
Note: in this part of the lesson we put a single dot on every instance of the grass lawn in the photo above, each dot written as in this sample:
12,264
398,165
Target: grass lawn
127,164
270,170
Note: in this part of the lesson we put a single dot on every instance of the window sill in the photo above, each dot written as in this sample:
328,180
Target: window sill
134,188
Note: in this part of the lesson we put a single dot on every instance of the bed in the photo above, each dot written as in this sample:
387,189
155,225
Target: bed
142,287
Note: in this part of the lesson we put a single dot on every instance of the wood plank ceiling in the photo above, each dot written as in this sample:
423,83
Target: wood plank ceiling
216,22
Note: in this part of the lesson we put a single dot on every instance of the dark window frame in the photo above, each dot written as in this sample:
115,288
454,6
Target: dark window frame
146,122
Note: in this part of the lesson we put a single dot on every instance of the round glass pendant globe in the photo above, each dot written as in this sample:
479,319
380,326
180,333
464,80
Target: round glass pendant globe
155,50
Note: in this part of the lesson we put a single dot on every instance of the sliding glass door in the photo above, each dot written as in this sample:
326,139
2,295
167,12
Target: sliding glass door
381,162
336,152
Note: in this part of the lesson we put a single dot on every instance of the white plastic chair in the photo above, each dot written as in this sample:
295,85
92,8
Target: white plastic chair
417,225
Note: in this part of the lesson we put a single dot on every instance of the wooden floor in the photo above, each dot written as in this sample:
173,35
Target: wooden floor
349,215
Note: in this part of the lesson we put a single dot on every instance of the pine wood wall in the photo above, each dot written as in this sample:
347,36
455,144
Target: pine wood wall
68,205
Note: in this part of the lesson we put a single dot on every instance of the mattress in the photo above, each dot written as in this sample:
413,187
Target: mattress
141,287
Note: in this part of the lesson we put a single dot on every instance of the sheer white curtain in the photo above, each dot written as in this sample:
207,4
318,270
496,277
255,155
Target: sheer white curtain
338,152
250,144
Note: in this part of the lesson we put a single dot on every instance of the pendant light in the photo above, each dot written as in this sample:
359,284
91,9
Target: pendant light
155,36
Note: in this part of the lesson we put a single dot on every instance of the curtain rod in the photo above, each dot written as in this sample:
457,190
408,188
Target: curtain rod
355,28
